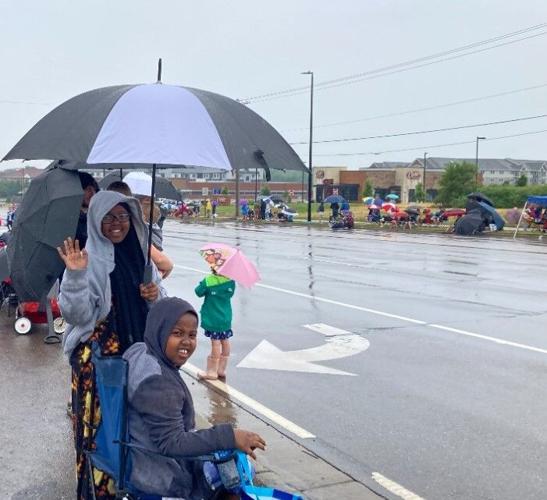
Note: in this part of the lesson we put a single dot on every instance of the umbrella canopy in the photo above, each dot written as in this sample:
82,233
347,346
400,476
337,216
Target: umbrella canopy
157,124
480,197
230,262
48,214
469,224
388,206
164,187
488,209
368,200
392,196
334,198
4,264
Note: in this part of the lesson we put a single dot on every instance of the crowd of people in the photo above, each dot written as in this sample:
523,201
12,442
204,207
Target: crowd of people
108,305
536,216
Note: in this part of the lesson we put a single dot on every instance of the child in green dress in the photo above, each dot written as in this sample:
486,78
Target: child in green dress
216,320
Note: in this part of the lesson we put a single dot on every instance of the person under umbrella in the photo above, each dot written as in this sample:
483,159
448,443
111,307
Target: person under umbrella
216,316
161,410
103,300
140,186
90,187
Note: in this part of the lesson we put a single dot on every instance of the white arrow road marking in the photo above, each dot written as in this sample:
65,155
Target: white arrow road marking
339,344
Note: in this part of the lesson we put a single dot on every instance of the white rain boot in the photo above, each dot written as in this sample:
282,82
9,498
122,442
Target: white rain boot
222,365
212,369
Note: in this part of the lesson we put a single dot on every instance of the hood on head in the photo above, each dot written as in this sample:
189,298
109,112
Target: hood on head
162,317
99,206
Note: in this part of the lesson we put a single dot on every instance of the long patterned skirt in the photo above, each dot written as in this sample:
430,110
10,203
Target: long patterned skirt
87,411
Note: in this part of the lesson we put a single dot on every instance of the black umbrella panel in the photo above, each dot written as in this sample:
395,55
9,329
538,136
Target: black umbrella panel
48,214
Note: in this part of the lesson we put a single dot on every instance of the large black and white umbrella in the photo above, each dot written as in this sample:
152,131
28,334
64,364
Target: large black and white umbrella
156,125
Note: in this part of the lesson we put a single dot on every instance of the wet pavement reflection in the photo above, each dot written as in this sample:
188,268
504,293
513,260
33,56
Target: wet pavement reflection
221,410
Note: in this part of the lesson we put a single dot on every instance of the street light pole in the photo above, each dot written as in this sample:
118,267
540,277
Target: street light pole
256,183
477,160
310,164
424,189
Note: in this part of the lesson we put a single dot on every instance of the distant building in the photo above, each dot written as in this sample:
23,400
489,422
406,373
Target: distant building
402,178
494,170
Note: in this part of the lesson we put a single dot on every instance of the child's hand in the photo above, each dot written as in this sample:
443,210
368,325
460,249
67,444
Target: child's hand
74,258
149,292
248,441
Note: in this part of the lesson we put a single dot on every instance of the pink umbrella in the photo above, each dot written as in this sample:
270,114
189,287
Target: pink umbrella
230,262
373,206
388,206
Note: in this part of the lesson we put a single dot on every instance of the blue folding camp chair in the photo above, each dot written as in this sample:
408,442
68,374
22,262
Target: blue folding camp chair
230,469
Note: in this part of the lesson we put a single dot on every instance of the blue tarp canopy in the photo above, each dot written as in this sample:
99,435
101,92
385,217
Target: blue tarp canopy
537,200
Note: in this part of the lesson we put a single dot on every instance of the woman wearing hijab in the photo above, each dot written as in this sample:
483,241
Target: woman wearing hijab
161,410
103,300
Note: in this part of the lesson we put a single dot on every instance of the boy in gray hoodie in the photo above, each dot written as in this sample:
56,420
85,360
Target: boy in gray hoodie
161,410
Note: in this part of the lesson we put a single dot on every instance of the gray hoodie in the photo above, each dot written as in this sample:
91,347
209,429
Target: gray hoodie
85,294
161,414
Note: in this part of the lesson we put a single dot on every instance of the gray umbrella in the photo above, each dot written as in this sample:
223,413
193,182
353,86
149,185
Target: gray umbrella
164,188
4,264
469,224
47,215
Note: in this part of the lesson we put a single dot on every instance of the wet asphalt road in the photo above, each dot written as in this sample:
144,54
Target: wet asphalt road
448,400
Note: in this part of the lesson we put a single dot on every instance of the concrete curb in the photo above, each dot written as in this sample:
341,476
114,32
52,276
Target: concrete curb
286,464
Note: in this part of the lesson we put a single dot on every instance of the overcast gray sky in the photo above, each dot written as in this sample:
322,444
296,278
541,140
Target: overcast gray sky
52,50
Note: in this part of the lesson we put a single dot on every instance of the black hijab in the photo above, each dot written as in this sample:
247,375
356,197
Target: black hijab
129,308
162,317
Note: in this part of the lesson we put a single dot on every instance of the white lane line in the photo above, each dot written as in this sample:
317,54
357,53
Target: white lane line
491,339
457,331
251,403
394,487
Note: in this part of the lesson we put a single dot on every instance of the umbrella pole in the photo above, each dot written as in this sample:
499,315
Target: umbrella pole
151,217
520,219
147,276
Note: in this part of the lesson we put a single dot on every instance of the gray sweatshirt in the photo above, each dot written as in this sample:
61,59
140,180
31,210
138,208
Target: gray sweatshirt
85,294
161,414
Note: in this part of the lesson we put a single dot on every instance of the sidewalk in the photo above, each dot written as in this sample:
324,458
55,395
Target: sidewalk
36,448
285,463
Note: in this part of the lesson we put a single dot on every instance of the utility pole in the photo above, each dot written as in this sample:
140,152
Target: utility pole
425,169
477,160
310,163
256,183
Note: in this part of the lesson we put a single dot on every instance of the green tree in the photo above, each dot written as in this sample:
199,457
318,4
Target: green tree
224,190
457,180
419,193
368,190
522,180
8,189
265,191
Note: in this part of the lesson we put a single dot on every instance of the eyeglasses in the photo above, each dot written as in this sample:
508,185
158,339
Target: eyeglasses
110,218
